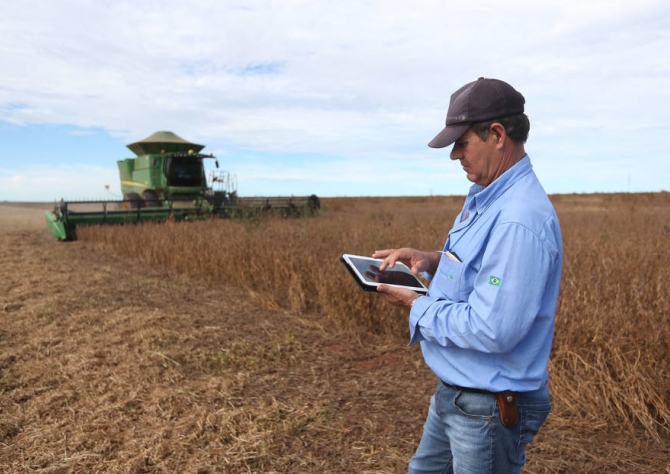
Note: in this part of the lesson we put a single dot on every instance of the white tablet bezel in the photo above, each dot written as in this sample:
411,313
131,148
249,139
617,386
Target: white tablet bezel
368,285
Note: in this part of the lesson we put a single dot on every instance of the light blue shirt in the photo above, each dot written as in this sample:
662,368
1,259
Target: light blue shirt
487,322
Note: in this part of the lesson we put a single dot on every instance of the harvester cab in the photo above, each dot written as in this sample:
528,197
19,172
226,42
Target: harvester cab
167,180
167,169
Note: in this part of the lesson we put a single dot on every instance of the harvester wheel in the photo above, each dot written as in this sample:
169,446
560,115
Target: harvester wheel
151,199
217,199
313,203
135,201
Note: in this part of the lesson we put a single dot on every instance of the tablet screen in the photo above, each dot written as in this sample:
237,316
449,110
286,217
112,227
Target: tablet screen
366,271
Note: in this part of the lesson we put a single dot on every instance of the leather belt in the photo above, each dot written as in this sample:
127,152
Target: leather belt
506,401
466,389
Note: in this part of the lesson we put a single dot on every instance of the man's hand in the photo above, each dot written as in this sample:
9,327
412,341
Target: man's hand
398,296
416,260
390,277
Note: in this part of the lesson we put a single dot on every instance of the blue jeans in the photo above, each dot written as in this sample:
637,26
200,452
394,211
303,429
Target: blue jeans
463,433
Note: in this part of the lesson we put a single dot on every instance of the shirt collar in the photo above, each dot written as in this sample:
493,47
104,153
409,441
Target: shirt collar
484,196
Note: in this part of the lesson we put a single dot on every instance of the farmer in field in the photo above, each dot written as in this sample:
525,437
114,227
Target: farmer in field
486,325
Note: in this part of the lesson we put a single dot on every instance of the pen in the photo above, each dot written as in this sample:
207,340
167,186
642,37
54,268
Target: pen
450,255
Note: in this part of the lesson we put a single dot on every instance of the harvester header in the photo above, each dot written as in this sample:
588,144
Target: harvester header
167,180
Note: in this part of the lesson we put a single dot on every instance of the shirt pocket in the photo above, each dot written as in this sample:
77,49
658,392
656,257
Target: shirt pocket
448,280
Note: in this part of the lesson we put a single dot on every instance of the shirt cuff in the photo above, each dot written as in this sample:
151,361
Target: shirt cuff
416,312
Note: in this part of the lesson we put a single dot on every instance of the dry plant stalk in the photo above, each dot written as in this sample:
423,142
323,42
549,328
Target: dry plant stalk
611,359
244,346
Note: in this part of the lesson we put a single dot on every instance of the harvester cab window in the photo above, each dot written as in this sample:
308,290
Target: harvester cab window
183,171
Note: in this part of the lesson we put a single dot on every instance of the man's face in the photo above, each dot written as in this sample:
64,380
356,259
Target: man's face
479,158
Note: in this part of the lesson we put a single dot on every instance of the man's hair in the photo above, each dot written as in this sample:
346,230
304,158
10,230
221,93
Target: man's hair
516,127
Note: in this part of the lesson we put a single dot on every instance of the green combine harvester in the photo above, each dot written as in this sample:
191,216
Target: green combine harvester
167,180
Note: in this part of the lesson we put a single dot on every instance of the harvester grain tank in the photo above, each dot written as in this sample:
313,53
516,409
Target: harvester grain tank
167,180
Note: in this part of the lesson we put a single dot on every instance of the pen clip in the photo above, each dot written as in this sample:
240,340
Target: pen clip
450,255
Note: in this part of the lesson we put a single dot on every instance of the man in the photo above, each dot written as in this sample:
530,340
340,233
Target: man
486,325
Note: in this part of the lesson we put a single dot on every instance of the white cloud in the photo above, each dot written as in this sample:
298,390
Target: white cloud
367,80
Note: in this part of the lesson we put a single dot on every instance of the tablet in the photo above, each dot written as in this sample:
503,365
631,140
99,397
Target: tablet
365,271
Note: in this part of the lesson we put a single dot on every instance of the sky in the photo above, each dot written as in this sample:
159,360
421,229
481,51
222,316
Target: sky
329,98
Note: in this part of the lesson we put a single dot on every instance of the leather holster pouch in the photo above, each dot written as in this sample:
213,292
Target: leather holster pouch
508,408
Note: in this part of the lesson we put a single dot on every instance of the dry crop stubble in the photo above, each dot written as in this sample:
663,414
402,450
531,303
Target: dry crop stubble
143,370
610,370
281,390
293,264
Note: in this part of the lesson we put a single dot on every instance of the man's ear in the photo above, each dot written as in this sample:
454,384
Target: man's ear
497,131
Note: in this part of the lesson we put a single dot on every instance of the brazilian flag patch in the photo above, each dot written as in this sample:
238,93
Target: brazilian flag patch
495,281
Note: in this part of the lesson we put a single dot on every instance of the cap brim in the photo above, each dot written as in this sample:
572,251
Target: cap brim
448,136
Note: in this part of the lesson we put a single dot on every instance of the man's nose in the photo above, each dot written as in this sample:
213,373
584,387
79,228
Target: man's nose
455,154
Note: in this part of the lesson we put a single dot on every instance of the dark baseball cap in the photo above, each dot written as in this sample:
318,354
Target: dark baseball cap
478,101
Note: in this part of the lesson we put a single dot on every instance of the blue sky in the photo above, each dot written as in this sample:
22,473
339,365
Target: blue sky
328,98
